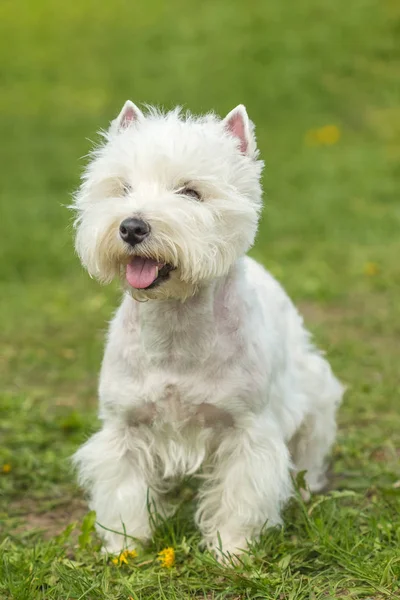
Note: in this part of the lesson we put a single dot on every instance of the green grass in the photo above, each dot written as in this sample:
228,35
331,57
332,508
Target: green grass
65,71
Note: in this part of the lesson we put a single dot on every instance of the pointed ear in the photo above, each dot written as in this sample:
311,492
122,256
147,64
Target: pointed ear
238,124
128,115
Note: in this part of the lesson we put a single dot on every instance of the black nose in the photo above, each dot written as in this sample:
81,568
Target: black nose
133,231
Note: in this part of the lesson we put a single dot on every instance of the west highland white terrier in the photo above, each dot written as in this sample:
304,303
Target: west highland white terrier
207,368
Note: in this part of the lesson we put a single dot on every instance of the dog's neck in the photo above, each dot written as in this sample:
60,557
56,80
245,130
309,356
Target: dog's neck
186,328
174,316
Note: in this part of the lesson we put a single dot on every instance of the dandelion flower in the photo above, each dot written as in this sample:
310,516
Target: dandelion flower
371,269
6,468
123,557
328,135
167,557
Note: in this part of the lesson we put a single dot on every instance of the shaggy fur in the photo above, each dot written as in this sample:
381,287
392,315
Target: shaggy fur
212,369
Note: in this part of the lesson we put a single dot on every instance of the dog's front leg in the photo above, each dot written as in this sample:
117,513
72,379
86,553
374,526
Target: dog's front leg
247,483
113,470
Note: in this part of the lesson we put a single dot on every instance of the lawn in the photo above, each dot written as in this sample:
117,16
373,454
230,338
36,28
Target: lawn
321,81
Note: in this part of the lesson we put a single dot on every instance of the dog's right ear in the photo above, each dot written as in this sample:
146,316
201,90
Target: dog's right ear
238,125
129,115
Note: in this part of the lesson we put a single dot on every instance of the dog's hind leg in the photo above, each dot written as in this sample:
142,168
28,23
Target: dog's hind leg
311,445
314,438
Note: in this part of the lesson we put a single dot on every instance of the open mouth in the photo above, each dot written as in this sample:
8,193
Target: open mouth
146,273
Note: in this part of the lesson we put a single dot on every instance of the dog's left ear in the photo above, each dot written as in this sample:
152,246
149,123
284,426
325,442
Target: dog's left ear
129,114
238,124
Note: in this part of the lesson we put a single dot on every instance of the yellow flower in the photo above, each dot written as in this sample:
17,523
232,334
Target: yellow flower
167,557
123,557
6,468
329,135
324,136
371,269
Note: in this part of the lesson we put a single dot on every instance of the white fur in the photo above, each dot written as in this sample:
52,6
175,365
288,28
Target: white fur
214,371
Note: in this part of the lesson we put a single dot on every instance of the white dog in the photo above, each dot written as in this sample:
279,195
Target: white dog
207,365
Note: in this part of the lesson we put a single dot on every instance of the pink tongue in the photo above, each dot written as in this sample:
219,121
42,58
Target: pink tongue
141,272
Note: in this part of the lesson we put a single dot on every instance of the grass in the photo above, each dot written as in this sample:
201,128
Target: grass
329,233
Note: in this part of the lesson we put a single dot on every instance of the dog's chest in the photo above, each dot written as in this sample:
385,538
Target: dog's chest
178,386
182,369
174,404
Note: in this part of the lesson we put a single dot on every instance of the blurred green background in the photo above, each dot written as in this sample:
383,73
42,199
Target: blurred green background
320,80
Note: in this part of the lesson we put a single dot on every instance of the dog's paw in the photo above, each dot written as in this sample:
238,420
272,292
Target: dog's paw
227,551
114,545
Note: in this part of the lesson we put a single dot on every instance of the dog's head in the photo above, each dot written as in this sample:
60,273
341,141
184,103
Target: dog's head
169,202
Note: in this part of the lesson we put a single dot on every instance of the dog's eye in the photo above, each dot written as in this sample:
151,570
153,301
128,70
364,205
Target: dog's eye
190,192
126,188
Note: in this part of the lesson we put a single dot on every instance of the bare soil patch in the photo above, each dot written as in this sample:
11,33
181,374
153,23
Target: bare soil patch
52,521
